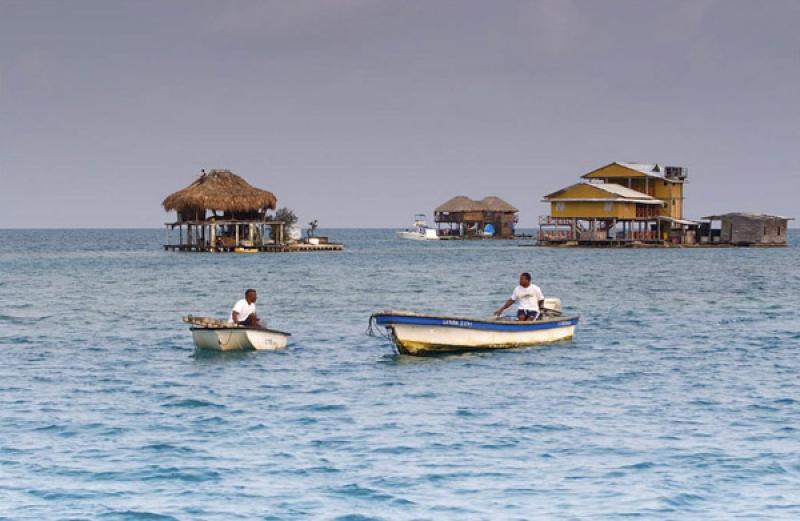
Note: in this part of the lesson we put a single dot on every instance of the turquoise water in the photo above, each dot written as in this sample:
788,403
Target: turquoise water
678,399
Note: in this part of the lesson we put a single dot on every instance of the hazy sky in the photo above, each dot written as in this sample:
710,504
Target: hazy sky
363,113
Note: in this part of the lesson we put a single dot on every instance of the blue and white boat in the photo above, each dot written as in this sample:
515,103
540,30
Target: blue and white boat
420,334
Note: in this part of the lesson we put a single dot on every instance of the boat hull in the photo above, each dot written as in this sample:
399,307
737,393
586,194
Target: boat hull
232,339
417,236
424,335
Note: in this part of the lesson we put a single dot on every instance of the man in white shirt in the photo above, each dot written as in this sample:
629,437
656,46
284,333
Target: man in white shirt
529,298
244,311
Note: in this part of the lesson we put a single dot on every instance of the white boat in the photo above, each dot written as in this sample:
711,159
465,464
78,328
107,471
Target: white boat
421,334
218,335
420,232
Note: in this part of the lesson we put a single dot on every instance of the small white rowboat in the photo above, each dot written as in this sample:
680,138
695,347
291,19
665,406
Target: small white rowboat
217,335
416,334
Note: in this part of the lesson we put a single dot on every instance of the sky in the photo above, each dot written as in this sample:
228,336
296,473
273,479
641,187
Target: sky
362,113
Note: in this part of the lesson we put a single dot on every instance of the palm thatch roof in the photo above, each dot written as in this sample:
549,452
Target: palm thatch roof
220,190
495,204
458,204
465,204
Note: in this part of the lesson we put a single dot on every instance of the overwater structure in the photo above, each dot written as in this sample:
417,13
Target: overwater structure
620,203
745,229
465,218
641,204
221,212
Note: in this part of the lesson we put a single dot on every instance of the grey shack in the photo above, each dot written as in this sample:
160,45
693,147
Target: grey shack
749,229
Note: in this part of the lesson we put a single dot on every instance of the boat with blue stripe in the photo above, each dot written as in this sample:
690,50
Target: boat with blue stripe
421,334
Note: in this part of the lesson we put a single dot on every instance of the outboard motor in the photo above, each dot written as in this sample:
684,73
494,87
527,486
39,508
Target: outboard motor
552,307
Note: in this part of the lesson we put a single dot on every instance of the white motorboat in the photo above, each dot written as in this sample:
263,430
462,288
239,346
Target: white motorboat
421,334
218,335
420,232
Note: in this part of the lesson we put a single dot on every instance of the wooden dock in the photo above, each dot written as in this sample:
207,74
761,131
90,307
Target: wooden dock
267,248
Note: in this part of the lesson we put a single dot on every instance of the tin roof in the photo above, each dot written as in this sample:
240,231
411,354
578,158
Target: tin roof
748,215
679,221
622,193
649,169
653,170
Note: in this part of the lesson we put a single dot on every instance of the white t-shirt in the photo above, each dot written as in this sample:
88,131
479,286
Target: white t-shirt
244,309
528,298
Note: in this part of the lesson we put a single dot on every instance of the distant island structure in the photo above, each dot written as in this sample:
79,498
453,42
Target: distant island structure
221,212
464,218
641,204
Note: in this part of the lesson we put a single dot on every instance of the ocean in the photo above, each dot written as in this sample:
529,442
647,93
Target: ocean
679,397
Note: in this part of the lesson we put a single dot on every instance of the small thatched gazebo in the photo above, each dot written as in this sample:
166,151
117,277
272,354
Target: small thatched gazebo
222,212
466,218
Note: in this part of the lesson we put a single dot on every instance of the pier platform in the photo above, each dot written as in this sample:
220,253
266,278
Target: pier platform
267,248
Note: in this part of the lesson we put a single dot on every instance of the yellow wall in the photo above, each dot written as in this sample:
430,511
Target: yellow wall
583,191
672,195
609,210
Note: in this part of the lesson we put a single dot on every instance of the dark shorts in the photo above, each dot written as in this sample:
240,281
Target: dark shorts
527,314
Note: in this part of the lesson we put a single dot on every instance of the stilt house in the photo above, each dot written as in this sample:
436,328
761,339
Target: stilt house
620,203
462,217
220,211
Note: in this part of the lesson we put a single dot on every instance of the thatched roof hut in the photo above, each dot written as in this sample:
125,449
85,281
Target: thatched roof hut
462,203
220,190
495,204
458,204
491,216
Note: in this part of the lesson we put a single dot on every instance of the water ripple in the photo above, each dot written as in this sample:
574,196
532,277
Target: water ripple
678,399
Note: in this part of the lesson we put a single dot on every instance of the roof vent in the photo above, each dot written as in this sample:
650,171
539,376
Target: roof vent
656,168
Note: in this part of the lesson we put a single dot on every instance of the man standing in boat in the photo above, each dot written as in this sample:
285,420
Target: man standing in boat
529,298
244,311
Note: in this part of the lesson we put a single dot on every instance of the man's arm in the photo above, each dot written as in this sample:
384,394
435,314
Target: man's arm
508,303
235,316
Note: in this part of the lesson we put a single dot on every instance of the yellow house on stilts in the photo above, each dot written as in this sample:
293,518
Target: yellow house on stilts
620,204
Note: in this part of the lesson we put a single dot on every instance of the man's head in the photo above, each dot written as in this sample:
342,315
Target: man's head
525,279
250,296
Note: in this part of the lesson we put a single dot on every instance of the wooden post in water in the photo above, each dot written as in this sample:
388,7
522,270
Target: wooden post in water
213,237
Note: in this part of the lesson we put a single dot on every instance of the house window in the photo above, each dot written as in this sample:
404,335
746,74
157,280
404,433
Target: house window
560,207
779,231
607,207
